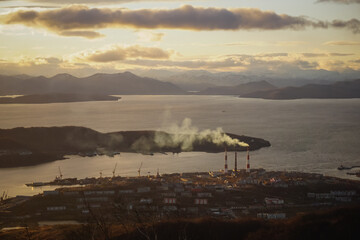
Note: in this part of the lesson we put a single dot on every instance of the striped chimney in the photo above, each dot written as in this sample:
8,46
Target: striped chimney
226,165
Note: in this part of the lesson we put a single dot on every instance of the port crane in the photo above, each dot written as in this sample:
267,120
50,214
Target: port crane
60,175
140,168
113,172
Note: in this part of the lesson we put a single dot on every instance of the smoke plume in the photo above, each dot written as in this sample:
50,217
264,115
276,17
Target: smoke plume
186,135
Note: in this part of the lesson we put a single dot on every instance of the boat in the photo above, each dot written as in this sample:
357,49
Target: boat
354,173
341,167
351,173
35,184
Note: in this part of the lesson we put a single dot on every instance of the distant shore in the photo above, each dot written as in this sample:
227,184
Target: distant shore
56,98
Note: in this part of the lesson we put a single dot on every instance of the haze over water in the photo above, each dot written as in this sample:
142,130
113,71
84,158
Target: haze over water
306,135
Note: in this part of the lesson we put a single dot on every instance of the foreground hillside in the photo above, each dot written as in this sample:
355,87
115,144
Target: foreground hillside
30,146
340,223
345,89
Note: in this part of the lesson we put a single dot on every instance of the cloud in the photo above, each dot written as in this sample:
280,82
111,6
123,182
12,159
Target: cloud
341,54
79,18
355,61
305,64
237,44
342,43
149,36
340,1
311,55
353,25
85,34
237,63
67,2
33,6
290,43
273,55
119,53
119,58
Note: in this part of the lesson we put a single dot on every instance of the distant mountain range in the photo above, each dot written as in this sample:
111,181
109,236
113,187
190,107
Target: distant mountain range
129,84
240,89
119,83
199,80
345,89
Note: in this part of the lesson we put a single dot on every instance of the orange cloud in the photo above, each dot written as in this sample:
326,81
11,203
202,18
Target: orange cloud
118,53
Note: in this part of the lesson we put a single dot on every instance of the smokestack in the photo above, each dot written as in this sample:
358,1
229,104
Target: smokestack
248,161
226,165
235,162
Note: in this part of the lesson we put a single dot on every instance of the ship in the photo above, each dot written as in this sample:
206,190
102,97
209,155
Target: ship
354,173
36,184
341,167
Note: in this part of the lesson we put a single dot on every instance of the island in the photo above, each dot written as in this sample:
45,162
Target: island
342,89
57,98
36,145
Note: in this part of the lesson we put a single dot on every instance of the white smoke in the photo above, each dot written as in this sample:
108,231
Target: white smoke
185,135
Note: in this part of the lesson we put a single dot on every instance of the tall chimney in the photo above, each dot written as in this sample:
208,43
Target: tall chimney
248,161
235,162
226,165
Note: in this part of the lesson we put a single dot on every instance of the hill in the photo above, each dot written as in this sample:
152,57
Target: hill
344,89
36,145
238,89
57,98
103,84
338,223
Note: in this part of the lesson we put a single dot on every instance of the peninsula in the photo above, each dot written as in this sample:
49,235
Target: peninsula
56,98
36,145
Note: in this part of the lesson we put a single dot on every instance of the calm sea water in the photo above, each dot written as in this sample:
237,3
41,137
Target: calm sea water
306,135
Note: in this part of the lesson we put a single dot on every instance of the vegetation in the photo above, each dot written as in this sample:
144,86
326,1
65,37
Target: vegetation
339,223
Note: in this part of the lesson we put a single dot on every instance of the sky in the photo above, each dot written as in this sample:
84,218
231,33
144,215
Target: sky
82,37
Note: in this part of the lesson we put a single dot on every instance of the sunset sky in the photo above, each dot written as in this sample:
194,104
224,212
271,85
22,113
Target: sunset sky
81,37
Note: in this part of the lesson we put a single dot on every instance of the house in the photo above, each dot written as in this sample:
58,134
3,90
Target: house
146,200
56,208
143,189
126,191
51,193
275,201
201,201
204,195
272,215
169,200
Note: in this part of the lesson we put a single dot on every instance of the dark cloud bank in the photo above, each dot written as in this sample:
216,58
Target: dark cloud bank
340,1
79,20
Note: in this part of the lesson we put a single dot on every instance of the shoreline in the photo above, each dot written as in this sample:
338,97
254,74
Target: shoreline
247,195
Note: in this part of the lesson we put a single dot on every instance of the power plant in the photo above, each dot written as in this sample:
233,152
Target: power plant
226,171
248,161
226,165
235,169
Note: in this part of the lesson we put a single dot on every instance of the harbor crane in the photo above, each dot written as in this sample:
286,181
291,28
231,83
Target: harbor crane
140,168
113,172
60,174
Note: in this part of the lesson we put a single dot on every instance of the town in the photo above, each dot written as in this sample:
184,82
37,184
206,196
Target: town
244,193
